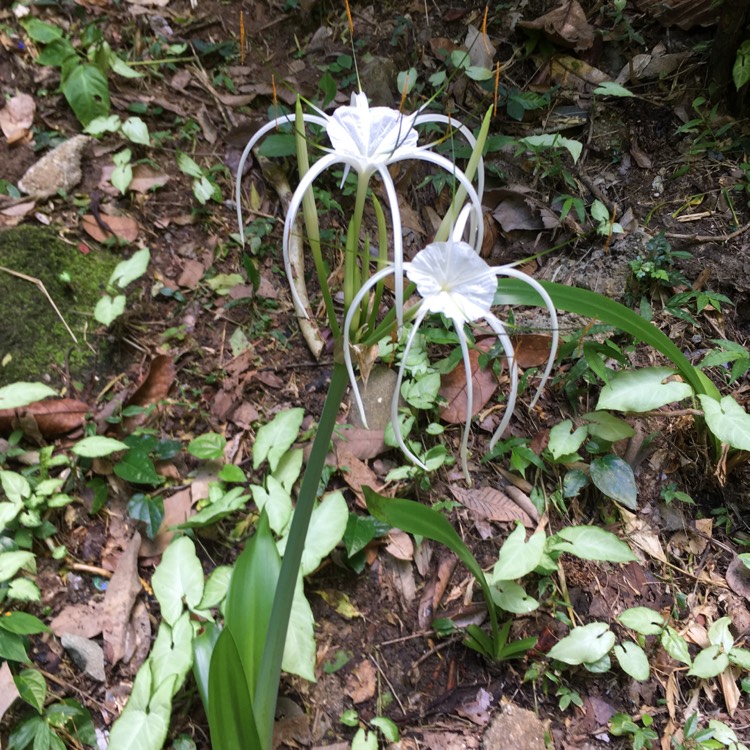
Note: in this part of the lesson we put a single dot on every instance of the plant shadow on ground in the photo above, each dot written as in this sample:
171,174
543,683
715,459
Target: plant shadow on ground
213,346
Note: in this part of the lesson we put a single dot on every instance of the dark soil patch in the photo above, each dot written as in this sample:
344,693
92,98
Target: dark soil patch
633,161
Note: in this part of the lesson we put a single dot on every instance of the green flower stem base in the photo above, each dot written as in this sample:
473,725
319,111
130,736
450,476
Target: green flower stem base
270,666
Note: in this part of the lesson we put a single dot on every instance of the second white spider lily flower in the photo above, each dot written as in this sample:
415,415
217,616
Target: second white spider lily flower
453,280
369,140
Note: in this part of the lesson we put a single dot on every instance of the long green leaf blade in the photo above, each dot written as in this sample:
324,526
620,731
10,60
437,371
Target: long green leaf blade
415,518
230,711
250,598
598,307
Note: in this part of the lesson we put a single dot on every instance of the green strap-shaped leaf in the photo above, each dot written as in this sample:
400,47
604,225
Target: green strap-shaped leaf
415,518
250,598
203,649
598,307
230,710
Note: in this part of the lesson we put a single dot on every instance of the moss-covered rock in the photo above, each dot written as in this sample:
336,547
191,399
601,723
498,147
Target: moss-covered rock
33,339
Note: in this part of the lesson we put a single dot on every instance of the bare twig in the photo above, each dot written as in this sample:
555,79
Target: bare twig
305,317
708,237
40,285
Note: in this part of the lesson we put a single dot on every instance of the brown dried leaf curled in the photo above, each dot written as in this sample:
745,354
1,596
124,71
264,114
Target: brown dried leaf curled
53,417
454,388
491,504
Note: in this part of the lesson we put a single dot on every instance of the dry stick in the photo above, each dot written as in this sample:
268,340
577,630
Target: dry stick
305,316
388,682
708,237
40,285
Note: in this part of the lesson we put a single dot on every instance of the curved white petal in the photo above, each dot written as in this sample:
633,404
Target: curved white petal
398,243
291,216
477,220
471,140
275,123
397,392
542,292
510,355
358,297
370,135
469,399
453,280
460,228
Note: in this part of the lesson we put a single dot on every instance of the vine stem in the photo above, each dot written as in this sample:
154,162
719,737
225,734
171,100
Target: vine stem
269,673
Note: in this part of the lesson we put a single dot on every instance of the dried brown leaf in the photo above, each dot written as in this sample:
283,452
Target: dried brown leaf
728,681
17,117
477,710
400,545
122,591
435,589
146,179
8,690
491,504
531,349
565,25
738,578
357,474
177,509
153,389
124,227
362,682
400,575
362,443
53,417
574,74
83,619
454,388
13,215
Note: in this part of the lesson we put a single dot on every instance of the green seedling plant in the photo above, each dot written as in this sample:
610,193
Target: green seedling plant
59,725
728,353
708,131
83,70
366,737
26,498
205,187
641,736
365,141
112,304
741,67
715,736
135,130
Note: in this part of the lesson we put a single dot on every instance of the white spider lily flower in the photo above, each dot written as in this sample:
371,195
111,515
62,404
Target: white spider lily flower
369,140
453,280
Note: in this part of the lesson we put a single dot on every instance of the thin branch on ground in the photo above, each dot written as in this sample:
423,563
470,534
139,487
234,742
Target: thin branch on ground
40,285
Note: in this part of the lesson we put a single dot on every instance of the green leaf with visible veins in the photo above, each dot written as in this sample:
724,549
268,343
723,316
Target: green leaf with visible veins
86,89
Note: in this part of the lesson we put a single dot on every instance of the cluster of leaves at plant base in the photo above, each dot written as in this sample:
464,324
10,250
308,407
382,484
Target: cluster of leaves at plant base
54,726
225,659
26,497
83,78
725,418
517,559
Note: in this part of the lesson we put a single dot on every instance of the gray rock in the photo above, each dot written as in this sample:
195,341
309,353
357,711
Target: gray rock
514,728
60,169
87,655
376,397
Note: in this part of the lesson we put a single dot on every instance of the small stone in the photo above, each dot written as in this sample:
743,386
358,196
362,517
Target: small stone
87,655
60,169
376,398
514,728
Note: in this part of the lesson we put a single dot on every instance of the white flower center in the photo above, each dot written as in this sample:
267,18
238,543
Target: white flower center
452,279
370,135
